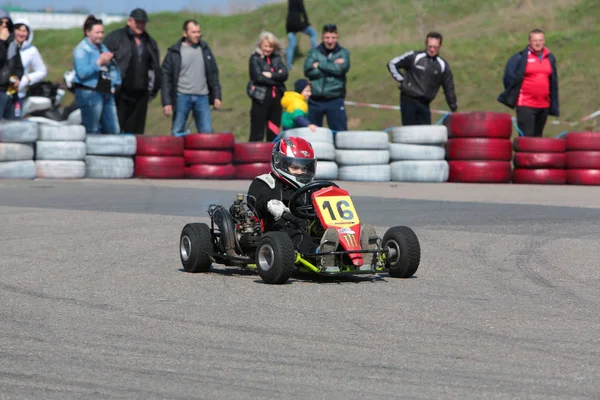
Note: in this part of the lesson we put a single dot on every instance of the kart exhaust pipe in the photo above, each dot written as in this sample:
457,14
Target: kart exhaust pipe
226,226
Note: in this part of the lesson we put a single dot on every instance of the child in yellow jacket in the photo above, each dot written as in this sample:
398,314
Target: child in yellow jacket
295,106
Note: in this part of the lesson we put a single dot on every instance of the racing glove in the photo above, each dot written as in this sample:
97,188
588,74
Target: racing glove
276,208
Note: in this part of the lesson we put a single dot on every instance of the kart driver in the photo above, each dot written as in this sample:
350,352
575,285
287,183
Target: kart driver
293,165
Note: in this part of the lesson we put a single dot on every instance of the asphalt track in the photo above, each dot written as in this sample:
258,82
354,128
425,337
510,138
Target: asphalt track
93,303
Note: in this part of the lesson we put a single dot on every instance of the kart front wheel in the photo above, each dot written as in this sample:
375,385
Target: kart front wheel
404,251
275,258
195,244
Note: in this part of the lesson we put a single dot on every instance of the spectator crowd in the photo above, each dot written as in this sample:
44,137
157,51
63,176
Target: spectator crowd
116,76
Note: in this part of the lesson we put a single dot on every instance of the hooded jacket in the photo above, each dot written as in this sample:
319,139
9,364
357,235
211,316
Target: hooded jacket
34,68
295,110
10,59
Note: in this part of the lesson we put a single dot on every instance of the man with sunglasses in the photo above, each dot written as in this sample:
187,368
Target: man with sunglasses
326,67
11,68
424,72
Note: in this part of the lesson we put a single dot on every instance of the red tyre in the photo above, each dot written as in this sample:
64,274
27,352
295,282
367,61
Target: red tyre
479,149
480,124
252,152
159,167
583,176
218,157
539,160
206,171
251,171
209,141
540,176
162,146
583,141
583,159
538,145
480,171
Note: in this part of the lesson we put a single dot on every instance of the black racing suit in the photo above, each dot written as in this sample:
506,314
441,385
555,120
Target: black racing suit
259,195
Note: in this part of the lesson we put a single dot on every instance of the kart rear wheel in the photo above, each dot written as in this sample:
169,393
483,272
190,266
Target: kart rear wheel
275,258
195,244
404,251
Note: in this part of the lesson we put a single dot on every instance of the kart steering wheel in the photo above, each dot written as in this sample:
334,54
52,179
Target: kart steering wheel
307,211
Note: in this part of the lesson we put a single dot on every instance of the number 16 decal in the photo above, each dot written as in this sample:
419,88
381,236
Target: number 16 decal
343,213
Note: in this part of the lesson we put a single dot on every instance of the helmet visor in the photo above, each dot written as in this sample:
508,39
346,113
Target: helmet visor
303,169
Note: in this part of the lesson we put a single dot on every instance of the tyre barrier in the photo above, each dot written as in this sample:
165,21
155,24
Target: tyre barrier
60,151
417,154
323,144
110,156
582,151
17,148
539,161
252,159
159,157
363,156
479,149
209,155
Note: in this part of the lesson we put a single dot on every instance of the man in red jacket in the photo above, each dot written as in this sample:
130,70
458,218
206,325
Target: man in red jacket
531,85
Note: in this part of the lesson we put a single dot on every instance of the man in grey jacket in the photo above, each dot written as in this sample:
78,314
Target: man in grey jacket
190,81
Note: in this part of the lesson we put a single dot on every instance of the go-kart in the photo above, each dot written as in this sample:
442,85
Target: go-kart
235,237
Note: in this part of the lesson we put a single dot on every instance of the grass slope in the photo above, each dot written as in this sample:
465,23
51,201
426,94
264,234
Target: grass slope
479,38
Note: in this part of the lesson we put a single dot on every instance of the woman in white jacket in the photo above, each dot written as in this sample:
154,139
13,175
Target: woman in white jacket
33,66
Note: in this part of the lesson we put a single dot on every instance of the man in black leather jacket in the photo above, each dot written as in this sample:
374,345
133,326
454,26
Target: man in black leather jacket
138,58
425,72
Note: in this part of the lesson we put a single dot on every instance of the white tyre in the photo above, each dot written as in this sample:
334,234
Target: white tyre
56,169
60,150
362,140
420,134
107,167
420,171
362,157
16,151
365,173
74,118
17,169
111,145
326,170
324,151
36,103
401,151
18,131
45,121
61,132
320,135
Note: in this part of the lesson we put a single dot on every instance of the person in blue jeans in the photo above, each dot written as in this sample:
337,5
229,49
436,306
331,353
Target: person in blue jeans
96,75
297,21
326,67
190,81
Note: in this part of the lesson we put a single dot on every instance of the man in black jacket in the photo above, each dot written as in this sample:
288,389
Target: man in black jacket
425,72
190,81
11,68
137,56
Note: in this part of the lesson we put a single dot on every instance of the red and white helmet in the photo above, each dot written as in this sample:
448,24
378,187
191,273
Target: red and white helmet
295,152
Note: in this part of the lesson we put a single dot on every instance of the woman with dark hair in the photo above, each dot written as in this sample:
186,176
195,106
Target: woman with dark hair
267,76
96,75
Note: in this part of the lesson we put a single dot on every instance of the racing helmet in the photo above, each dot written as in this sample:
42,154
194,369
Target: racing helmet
297,153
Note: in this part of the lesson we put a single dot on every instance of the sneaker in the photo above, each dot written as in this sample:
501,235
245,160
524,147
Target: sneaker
329,242
368,241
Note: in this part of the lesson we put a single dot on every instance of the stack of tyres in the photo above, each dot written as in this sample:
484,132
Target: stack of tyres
363,156
418,153
60,152
252,159
583,158
17,141
323,144
159,157
209,156
539,161
110,156
479,149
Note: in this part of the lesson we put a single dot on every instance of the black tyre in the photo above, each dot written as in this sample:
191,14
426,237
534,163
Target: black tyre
195,244
275,258
404,253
